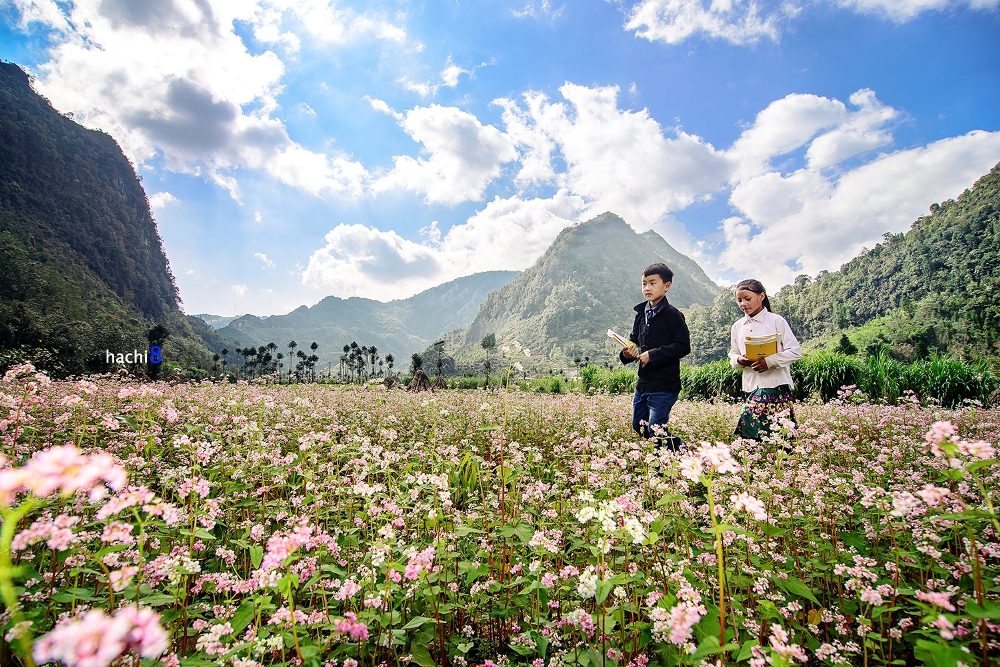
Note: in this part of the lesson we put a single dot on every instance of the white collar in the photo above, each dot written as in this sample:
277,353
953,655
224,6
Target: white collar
759,317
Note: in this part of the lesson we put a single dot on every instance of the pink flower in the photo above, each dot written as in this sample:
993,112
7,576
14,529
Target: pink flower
351,627
64,469
120,579
56,532
96,639
932,495
419,563
937,599
945,626
752,505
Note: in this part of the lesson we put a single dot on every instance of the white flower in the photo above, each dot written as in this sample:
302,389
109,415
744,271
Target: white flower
585,514
635,530
691,468
587,586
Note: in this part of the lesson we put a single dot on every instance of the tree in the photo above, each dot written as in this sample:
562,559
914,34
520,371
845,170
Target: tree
439,354
488,343
291,355
416,361
389,361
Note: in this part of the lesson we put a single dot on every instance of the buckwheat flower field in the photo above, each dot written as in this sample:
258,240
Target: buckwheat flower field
245,525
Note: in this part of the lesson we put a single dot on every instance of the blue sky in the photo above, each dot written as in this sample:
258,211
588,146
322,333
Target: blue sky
293,150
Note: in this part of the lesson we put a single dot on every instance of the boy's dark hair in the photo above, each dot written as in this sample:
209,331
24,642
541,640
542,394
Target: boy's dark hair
756,287
659,269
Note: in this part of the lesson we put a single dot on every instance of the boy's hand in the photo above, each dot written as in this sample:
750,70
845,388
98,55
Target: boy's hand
644,358
630,352
760,365
743,361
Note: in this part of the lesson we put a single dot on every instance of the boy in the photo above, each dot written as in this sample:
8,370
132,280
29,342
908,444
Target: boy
662,337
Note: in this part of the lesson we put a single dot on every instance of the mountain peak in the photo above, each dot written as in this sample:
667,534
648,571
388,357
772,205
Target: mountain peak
586,282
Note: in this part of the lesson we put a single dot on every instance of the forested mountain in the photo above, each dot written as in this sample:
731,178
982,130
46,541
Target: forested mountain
397,327
82,269
586,282
934,288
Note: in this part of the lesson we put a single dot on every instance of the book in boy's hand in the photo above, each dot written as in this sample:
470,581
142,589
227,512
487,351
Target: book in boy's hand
624,342
759,347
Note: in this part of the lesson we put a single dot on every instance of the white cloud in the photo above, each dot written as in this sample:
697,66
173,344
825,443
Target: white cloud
173,78
268,264
806,221
673,21
904,10
536,10
507,234
239,290
793,121
802,179
463,156
451,73
748,21
615,159
449,78
159,200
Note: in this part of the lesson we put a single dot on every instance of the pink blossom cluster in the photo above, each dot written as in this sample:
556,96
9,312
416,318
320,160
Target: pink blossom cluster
419,563
353,628
64,469
57,533
96,639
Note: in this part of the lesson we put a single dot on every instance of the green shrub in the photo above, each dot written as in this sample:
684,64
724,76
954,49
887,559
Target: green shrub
715,380
951,380
824,373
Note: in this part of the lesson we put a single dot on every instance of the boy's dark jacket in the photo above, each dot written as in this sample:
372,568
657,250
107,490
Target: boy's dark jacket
667,340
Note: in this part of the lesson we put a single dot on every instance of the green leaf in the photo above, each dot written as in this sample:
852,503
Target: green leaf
972,467
465,648
421,656
603,589
241,619
988,610
668,498
710,646
158,600
937,655
796,587
747,651
256,555
417,621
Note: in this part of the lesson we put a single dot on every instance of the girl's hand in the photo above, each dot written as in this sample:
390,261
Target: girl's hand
743,361
760,365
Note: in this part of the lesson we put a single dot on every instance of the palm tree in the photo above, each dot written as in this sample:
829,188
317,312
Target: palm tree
291,354
389,361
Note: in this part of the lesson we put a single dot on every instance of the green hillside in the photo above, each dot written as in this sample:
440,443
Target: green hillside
932,289
82,269
398,327
585,283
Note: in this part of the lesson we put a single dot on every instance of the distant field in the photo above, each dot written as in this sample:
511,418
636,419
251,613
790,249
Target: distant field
320,525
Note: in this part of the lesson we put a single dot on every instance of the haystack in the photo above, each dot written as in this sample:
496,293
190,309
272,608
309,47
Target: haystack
420,382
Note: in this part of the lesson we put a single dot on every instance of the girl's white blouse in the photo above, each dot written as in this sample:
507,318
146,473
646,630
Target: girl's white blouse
778,373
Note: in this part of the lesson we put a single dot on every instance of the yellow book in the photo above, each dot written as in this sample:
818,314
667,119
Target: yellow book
759,347
621,340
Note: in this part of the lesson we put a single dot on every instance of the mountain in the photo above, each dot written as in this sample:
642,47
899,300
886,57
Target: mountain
586,282
932,289
399,327
215,321
83,268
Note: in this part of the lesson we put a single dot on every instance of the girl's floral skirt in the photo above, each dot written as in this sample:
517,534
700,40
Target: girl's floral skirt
755,422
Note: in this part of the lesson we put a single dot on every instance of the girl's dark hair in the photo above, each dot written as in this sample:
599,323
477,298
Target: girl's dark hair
756,287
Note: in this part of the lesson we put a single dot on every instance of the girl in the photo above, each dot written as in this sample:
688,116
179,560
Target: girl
768,381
